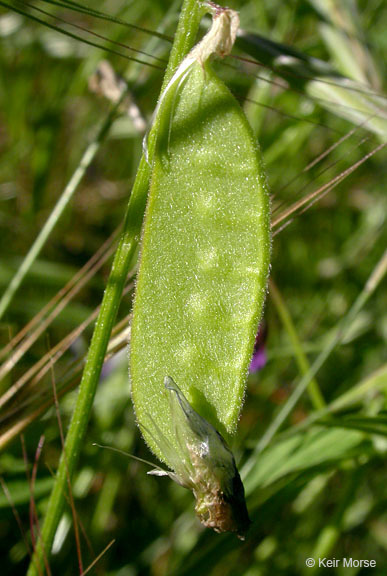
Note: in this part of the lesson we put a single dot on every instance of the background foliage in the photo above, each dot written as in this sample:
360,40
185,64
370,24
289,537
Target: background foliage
317,488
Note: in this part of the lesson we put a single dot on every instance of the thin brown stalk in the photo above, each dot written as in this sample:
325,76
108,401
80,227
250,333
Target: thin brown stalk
40,368
33,514
53,308
324,154
323,171
92,33
22,424
99,557
70,492
82,8
118,341
16,515
325,188
34,519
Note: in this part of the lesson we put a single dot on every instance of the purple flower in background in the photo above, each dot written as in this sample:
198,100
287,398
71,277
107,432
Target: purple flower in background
259,358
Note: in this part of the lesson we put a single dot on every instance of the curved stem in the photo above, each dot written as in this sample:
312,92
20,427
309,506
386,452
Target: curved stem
184,40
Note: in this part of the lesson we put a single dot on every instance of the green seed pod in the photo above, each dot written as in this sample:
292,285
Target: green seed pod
204,264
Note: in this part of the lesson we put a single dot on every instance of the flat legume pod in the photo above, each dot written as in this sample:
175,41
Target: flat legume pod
204,262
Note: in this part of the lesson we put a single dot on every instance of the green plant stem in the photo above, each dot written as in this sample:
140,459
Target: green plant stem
373,282
184,39
315,395
57,212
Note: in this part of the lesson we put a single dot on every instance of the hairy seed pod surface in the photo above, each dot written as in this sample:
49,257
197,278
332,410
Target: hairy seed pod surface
204,263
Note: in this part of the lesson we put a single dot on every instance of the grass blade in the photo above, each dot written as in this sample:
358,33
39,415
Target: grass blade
57,212
343,97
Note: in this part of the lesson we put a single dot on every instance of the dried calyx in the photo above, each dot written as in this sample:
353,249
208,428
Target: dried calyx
208,469
220,39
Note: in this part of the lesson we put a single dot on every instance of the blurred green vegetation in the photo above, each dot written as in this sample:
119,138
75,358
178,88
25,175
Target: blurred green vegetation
318,489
